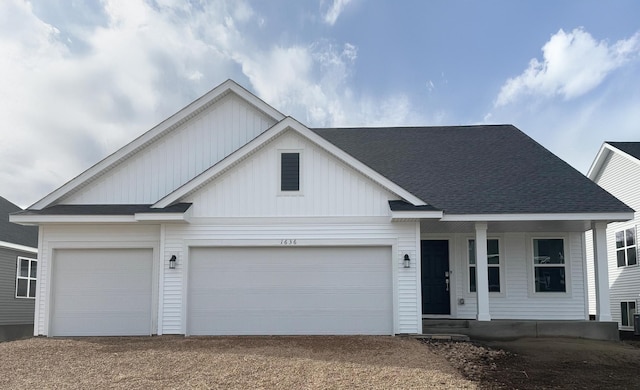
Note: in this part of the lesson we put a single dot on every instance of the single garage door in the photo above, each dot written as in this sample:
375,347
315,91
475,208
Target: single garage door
291,290
101,292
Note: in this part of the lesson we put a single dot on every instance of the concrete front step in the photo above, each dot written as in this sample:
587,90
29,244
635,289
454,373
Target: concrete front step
513,329
444,323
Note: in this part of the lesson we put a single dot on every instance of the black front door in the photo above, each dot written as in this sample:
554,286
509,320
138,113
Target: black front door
435,277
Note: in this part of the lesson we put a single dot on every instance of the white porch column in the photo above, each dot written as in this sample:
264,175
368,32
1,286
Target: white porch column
482,273
601,268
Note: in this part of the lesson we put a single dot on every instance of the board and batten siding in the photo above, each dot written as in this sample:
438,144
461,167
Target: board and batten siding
517,299
401,237
328,187
13,311
620,176
177,157
336,206
84,236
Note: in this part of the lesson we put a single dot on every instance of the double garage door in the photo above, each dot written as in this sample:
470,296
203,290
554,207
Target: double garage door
290,290
283,290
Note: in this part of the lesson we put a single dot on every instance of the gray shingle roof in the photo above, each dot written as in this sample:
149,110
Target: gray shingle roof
630,148
475,169
14,233
106,209
401,205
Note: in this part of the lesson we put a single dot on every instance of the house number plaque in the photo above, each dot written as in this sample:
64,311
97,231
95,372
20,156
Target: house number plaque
288,242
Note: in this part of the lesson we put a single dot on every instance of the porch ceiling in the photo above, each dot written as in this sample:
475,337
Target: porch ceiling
433,226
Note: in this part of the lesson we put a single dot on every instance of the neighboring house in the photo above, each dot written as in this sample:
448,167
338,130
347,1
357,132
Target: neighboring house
617,169
18,274
231,218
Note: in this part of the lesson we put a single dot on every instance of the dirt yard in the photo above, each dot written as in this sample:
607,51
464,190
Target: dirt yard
168,362
554,363
316,362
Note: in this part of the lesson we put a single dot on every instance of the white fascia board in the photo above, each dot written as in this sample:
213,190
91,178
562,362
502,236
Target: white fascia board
416,215
164,217
173,121
265,137
609,217
603,153
18,247
596,165
40,219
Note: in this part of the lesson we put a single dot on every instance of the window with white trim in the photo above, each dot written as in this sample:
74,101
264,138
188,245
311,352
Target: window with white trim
626,249
549,266
289,172
627,310
27,271
493,265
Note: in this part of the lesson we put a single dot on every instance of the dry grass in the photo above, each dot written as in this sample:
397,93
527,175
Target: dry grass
169,362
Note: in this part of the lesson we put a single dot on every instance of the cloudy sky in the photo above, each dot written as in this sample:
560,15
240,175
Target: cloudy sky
79,79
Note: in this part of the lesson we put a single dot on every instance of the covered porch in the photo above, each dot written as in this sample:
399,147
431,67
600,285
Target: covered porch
521,275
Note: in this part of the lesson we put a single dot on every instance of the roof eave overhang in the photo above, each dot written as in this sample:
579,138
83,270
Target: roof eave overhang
408,216
138,217
602,217
18,247
598,162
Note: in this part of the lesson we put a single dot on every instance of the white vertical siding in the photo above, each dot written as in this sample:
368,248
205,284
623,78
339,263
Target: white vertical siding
518,299
83,236
178,156
310,233
620,176
328,187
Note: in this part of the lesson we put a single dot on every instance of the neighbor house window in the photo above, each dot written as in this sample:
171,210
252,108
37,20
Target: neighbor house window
626,251
26,278
549,265
289,172
627,309
493,265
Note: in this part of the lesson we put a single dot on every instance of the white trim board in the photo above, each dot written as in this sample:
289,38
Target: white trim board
602,155
18,247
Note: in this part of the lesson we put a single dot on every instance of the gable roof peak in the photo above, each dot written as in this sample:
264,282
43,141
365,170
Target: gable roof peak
167,125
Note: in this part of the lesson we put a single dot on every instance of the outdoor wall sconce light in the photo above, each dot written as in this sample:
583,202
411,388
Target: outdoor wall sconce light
407,261
172,262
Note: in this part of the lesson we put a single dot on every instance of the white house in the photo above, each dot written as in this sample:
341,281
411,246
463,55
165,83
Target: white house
617,169
231,218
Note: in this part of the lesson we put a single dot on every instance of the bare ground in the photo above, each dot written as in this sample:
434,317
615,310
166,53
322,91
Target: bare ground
308,362
553,363
225,363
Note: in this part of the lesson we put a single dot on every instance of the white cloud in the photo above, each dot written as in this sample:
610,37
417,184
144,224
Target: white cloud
573,64
334,11
73,92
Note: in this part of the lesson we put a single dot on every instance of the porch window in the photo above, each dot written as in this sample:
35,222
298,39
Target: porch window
626,251
627,310
549,265
26,273
493,263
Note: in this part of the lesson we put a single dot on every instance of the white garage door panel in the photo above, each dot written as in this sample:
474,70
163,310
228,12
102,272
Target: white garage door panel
290,291
105,292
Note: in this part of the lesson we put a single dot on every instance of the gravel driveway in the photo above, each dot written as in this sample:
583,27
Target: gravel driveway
176,362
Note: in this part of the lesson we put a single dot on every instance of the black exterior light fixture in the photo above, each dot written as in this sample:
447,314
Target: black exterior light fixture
172,262
407,261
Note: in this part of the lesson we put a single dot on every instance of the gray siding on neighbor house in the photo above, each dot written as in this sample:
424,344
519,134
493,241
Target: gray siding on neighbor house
13,311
